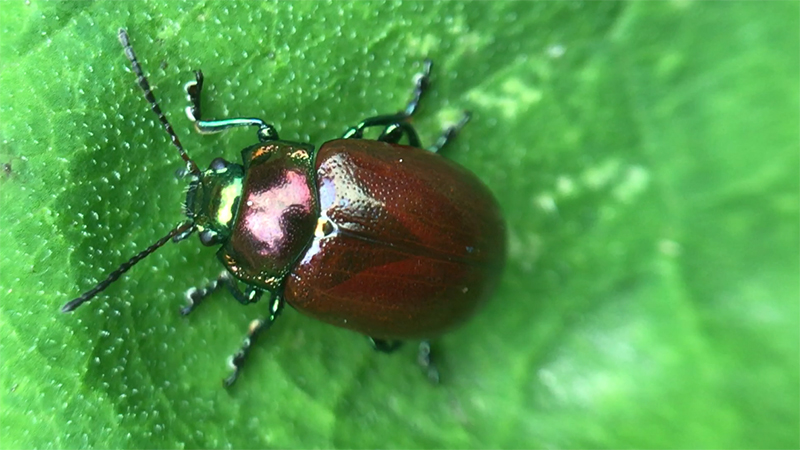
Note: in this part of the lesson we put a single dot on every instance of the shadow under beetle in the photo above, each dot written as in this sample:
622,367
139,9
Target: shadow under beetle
389,240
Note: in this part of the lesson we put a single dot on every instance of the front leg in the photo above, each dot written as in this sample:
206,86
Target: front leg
266,132
195,296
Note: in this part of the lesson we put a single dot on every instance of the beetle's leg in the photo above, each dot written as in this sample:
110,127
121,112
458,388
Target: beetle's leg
193,89
181,236
420,87
250,295
266,132
385,345
394,132
450,133
357,132
424,361
394,129
423,355
256,327
195,296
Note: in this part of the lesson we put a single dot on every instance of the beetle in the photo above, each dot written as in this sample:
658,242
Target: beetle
392,241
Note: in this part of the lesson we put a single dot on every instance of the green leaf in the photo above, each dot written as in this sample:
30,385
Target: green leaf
645,155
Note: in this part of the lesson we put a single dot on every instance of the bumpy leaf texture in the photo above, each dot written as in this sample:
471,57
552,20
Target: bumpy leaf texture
645,155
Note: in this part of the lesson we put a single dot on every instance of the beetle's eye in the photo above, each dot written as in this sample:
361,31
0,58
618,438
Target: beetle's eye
218,165
208,237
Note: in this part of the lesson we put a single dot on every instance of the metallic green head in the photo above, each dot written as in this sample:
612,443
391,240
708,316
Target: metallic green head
213,198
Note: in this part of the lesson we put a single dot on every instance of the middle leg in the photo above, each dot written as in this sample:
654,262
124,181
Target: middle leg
395,124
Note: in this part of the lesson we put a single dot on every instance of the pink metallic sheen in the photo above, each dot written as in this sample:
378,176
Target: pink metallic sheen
265,228
277,213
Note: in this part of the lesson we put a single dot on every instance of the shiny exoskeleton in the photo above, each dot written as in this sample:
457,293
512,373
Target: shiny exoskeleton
389,240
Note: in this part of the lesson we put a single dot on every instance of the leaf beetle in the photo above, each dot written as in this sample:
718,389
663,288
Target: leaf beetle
392,241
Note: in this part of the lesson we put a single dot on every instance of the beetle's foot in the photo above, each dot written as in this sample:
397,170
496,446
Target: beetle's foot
450,133
256,327
195,296
193,89
236,362
238,359
425,362
385,345
421,85
230,379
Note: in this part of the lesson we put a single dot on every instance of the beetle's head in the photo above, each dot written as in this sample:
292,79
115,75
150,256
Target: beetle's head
212,199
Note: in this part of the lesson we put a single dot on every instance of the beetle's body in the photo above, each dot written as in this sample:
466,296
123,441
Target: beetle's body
389,240
415,243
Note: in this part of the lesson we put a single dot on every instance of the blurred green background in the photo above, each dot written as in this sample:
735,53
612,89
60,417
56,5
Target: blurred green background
645,155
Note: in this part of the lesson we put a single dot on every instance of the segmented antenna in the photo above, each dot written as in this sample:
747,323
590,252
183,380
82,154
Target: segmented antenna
88,295
148,94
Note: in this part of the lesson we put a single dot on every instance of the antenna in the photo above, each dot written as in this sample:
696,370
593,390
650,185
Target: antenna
183,229
148,94
88,295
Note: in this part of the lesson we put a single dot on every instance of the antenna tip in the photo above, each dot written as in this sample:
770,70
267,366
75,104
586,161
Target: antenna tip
123,36
69,307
